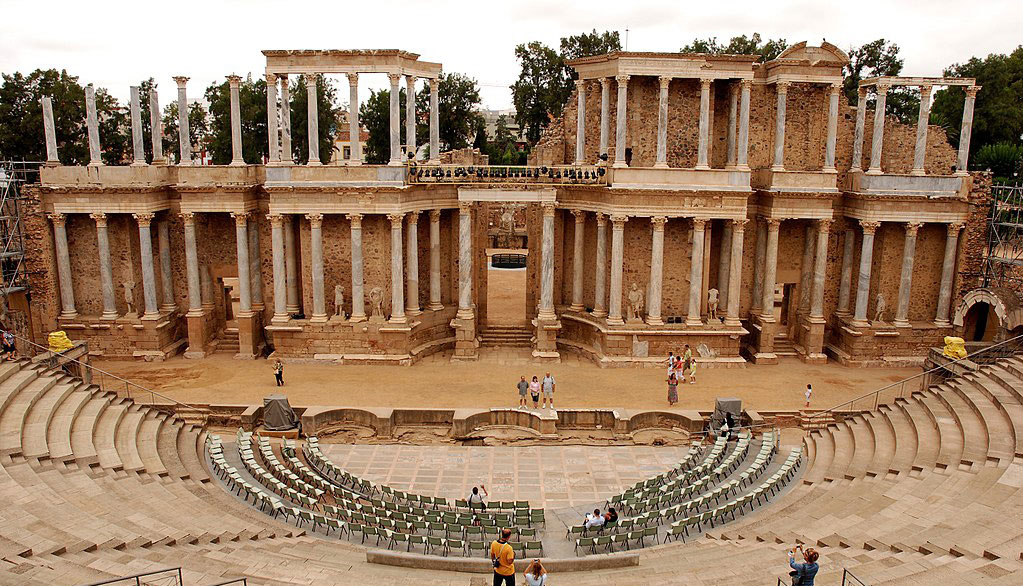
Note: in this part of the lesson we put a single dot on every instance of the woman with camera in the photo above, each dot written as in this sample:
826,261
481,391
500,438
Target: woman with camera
803,574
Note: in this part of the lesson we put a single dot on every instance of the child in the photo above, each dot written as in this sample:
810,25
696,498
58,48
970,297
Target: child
808,393
692,371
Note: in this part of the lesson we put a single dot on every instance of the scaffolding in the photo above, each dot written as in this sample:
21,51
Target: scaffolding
1003,264
13,176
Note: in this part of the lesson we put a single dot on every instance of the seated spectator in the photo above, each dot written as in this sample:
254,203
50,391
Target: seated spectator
610,517
594,519
535,574
476,500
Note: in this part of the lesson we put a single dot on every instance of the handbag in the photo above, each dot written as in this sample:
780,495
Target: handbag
797,578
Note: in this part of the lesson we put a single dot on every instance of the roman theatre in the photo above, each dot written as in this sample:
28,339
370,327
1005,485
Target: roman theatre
742,208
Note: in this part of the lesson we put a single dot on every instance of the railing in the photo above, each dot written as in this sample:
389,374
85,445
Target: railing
508,175
170,577
106,381
242,581
897,390
848,577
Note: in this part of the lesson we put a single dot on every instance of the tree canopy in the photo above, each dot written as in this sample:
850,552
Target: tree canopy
458,111
21,116
740,45
327,111
198,130
880,58
252,111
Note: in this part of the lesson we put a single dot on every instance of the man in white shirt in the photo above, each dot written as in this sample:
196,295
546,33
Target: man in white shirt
594,519
547,384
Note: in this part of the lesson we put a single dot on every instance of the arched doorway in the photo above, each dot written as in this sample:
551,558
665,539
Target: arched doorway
980,324
988,314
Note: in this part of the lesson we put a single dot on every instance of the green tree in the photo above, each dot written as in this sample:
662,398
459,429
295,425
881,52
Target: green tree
375,117
587,45
21,116
198,130
880,58
1002,158
997,115
541,90
114,129
740,45
458,105
252,111
326,113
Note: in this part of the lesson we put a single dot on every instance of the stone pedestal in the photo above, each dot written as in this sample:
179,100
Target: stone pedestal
198,335
466,344
250,336
545,346
813,341
761,340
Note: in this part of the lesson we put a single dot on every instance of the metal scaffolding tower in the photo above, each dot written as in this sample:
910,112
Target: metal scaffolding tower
13,176
1003,265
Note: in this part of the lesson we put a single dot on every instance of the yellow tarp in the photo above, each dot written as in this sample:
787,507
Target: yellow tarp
59,342
954,347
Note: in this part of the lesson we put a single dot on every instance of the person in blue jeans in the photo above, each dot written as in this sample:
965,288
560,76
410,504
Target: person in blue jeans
803,574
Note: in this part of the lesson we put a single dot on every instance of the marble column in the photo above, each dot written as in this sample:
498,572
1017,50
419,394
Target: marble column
703,146
832,138
287,156
138,158
653,293
412,274
966,130
106,274
395,120
820,267
410,117
358,282
770,270
354,132
614,315
845,282
434,123
906,280
67,291
806,267
743,147
662,123
316,256
580,122
724,265
49,132
92,124
696,273
863,276
605,113
435,303
600,272
735,272
206,288
291,264
156,127
397,270
877,140
192,266
620,122
272,132
241,239
255,266
733,115
578,260
922,119
168,305
759,257
313,120
546,310
465,309
861,122
234,85
779,126
280,271
148,266
184,136
947,275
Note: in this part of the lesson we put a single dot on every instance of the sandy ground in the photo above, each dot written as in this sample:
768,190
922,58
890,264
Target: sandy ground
506,296
436,382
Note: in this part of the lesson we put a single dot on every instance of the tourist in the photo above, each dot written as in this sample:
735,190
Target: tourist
534,390
610,517
594,519
808,393
279,372
803,574
672,389
503,557
730,422
523,387
476,500
671,363
687,355
535,573
10,350
548,390
692,371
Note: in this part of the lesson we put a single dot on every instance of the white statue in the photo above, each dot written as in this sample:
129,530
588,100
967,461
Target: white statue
880,307
635,307
339,301
376,301
712,304
129,296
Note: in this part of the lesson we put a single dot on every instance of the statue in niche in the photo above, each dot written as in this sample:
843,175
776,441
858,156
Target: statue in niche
129,296
635,307
339,301
879,307
376,304
712,305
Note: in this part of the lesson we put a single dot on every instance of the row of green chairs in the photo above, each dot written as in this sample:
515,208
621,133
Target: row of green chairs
618,541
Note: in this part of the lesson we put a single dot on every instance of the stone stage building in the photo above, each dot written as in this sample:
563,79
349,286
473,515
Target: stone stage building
818,228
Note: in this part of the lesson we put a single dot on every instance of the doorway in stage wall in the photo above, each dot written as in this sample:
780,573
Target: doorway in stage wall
981,323
506,323
785,313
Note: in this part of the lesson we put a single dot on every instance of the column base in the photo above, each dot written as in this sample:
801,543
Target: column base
413,311
318,318
293,309
138,163
620,165
546,315
661,165
394,163
902,323
315,163
732,321
109,316
197,342
874,171
942,323
400,319
237,163
599,313
654,321
917,172
280,318
465,314
357,318
829,170
961,173
435,306
68,315
576,307
151,316
703,167
615,321
168,309
742,167
859,323
777,167
694,321
578,163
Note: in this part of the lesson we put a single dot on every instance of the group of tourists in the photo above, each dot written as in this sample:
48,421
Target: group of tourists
536,388
679,365
595,520
502,556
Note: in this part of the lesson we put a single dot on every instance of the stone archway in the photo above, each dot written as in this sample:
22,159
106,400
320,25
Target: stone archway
988,314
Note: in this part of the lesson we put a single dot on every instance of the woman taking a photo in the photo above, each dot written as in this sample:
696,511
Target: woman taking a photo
535,574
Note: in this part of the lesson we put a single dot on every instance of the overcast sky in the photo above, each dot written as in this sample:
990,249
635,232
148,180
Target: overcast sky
117,44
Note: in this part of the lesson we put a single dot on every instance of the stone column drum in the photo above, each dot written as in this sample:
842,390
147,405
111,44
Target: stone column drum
696,273
148,266
313,121
546,311
653,316
316,258
137,140
906,280
412,276
67,291
358,283
354,138
600,272
614,315
106,275
435,301
578,260
620,123
280,269
184,137
863,277
234,85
